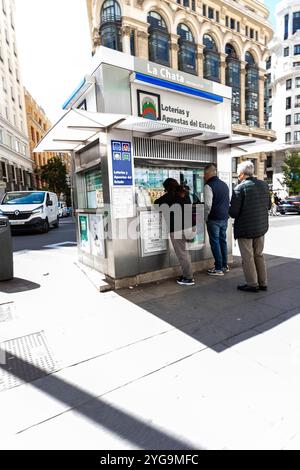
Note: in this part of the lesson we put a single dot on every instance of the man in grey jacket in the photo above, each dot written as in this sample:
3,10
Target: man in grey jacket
249,206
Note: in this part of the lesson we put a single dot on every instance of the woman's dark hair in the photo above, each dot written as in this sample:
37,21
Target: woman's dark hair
170,185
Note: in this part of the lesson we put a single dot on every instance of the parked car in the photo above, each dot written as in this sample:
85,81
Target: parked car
69,211
30,210
62,209
289,205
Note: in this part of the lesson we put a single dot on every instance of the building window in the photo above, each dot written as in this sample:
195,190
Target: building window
158,39
256,35
269,93
288,137
288,102
14,172
217,17
232,23
194,5
227,21
269,125
288,120
233,74
247,31
297,82
297,118
204,10
297,49
297,136
270,110
268,63
132,42
211,59
286,51
4,171
297,101
187,49
110,29
296,64
296,21
251,91
186,3
288,84
238,26
286,27
251,33
269,161
211,12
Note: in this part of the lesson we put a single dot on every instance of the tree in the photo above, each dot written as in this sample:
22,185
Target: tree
291,172
54,174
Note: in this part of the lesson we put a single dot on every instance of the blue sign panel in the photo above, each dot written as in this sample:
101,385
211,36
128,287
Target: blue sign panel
122,163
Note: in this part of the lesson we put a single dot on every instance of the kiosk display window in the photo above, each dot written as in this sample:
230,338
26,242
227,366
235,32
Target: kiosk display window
94,189
149,183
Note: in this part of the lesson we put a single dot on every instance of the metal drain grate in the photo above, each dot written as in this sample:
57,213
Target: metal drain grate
25,359
6,312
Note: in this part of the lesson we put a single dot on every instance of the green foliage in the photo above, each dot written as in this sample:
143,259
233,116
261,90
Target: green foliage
54,174
291,171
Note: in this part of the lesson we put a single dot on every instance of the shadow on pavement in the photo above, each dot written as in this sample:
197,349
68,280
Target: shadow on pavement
141,434
17,285
214,312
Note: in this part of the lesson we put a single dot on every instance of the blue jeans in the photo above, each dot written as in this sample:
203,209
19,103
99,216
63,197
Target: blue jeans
217,237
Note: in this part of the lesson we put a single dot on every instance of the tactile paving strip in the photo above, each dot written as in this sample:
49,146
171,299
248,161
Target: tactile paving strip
24,359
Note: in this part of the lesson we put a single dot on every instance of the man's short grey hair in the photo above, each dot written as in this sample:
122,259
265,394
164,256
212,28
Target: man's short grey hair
246,167
210,168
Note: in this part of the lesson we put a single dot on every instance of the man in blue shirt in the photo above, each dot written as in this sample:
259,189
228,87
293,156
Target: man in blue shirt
216,207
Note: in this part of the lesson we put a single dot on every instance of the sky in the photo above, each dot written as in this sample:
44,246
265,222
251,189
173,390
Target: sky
54,47
270,4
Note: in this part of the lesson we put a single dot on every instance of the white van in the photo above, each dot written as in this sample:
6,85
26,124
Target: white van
30,210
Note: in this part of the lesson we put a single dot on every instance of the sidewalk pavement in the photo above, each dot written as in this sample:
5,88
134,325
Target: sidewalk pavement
155,367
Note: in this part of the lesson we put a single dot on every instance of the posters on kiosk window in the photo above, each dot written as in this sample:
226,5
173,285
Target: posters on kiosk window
84,233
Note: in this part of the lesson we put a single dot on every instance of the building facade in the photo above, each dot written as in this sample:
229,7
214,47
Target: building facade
15,162
220,41
38,124
283,89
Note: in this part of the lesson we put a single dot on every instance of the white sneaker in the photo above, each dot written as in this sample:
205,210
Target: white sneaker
215,272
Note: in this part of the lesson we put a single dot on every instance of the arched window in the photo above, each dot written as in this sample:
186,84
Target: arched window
158,39
251,91
211,59
110,26
233,74
187,49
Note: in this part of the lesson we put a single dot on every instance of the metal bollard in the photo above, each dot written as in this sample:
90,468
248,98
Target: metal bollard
6,251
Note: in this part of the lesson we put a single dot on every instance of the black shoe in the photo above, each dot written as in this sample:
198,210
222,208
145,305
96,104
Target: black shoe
246,288
263,287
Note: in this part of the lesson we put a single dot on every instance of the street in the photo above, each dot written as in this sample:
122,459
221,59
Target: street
158,366
36,241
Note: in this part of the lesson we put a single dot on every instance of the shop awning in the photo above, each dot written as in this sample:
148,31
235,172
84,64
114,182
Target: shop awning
77,128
